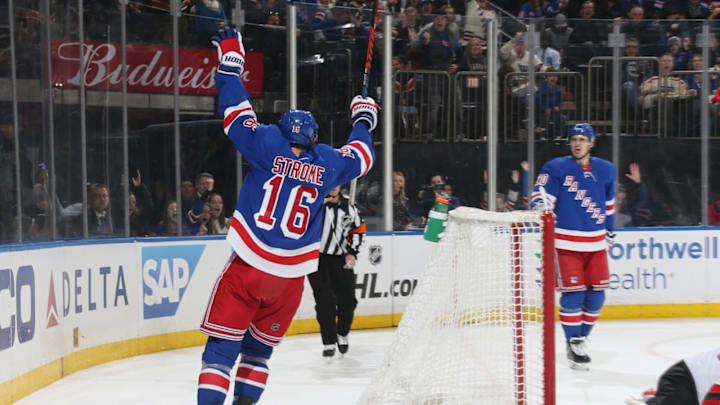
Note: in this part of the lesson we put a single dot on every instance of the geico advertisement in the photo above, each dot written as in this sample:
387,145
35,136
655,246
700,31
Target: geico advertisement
664,266
46,293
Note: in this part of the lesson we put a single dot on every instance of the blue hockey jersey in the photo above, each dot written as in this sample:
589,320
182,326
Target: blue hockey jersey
583,200
277,222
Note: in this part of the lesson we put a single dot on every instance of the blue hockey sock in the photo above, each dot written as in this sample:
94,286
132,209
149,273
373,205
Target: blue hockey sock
252,372
591,310
571,313
217,363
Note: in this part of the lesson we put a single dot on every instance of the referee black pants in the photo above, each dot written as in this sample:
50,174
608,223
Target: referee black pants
334,291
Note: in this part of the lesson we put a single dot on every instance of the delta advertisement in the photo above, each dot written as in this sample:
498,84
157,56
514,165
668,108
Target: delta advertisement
56,301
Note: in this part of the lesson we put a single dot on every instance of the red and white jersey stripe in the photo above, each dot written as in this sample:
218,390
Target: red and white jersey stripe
362,152
234,112
610,207
276,261
580,241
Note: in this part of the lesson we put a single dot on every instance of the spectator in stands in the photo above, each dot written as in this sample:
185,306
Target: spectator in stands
637,202
506,202
694,85
448,190
549,102
405,96
531,9
41,225
680,56
394,7
554,8
100,222
140,207
474,59
209,18
611,9
634,72
476,18
559,33
218,224
661,85
714,15
675,24
453,20
323,20
549,56
697,10
714,213
407,30
403,219
204,185
434,188
646,33
514,54
168,225
588,36
439,49
187,193
426,12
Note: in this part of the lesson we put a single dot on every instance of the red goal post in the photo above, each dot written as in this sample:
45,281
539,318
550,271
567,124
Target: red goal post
479,328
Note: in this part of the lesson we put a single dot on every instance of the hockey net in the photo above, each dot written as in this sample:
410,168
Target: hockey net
476,330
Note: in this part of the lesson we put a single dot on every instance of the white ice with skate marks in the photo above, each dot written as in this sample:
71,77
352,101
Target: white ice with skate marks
627,357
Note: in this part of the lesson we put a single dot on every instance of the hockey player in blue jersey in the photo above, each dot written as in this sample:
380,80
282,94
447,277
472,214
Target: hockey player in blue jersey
580,191
275,231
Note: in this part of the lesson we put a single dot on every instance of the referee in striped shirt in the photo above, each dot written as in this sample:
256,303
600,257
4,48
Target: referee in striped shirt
333,284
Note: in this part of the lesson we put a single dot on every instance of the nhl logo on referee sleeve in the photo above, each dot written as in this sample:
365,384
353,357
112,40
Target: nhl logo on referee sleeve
375,254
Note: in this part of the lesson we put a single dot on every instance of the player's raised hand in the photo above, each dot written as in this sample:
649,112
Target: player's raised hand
364,109
231,52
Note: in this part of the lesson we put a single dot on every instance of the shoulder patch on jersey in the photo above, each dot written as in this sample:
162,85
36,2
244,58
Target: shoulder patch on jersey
346,152
251,123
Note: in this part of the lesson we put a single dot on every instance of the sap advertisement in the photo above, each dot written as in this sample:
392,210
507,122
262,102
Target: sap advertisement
665,266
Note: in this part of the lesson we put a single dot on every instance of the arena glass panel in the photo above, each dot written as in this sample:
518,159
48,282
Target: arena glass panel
151,114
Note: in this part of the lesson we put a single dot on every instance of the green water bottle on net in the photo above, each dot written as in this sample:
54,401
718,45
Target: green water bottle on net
436,220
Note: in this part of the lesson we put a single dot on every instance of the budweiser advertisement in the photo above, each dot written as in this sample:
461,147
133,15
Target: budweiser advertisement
149,68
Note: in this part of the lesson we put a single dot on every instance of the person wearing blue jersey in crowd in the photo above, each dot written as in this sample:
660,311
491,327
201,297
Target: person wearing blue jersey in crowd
580,191
275,230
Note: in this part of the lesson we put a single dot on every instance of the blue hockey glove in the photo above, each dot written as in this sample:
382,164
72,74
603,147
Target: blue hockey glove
364,109
231,52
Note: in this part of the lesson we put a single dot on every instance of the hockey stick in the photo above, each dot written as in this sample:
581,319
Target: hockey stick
366,77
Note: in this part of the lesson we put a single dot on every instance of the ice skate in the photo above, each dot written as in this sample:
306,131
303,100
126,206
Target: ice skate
328,353
342,344
576,354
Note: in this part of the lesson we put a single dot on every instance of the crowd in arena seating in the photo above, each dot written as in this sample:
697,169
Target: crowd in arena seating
447,36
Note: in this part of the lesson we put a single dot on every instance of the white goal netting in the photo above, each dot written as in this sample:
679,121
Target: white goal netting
473,331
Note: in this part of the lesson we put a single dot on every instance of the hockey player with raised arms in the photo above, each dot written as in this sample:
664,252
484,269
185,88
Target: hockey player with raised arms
580,191
275,231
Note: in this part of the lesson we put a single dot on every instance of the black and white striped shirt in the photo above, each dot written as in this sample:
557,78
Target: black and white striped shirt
343,229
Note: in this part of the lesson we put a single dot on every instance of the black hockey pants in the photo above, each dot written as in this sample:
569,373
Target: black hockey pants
334,291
